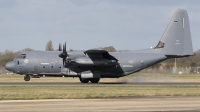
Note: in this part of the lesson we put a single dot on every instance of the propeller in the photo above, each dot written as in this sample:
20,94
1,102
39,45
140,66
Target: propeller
64,54
60,47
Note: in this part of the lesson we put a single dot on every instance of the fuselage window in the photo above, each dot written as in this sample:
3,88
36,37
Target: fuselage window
21,56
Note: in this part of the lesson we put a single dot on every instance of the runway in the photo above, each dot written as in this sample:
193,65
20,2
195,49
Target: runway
145,104
98,84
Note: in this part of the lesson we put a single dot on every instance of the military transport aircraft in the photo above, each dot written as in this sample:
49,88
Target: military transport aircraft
91,65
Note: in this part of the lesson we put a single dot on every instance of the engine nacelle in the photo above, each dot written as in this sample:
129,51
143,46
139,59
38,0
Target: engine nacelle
68,72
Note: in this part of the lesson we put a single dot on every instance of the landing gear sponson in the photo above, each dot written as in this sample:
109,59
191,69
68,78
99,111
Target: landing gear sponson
86,80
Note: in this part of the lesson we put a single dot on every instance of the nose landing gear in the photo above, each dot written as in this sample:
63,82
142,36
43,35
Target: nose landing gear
27,77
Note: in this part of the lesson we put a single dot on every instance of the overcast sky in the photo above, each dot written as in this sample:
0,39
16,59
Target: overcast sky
86,24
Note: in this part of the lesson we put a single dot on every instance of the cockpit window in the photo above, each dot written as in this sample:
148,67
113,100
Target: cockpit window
21,56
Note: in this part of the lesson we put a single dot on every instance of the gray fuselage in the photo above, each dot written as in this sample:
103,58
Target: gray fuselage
50,64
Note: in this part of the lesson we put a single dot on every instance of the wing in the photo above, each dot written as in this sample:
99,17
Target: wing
96,58
100,54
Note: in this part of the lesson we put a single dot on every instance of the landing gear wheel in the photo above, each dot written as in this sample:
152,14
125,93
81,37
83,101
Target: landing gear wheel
83,80
27,77
94,80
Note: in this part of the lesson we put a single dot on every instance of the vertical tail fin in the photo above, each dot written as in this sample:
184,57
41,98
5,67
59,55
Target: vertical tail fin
176,40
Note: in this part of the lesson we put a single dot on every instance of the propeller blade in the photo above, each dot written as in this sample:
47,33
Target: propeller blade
63,54
64,49
60,48
64,62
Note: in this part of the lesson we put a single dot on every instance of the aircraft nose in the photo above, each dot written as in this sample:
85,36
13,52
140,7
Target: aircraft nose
10,66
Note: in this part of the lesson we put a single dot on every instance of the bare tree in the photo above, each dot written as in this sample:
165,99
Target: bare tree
109,49
49,46
126,50
26,50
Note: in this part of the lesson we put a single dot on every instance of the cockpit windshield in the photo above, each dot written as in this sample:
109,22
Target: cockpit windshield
21,56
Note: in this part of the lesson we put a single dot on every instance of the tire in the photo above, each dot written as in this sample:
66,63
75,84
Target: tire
84,80
27,78
94,80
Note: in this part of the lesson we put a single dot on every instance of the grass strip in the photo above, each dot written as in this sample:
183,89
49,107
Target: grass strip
75,92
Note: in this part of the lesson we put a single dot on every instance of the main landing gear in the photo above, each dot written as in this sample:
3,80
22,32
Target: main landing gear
27,77
92,80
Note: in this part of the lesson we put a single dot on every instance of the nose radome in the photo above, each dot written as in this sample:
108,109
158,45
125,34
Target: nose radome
10,66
